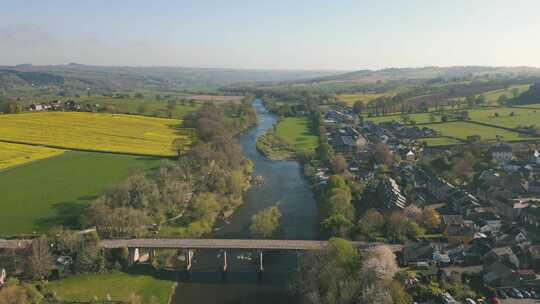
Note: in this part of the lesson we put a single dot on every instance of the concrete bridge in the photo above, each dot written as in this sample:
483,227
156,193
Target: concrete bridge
188,246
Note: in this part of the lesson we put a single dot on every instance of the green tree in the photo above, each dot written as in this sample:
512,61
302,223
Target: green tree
40,260
370,223
266,222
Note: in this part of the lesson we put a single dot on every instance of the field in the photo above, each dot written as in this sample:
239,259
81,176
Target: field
54,191
492,97
439,141
416,117
350,99
461,130
521,117
145,106
144,282
214,98
15,154
95,132
296,132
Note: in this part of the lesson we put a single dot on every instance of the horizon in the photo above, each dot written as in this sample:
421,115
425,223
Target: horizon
304,35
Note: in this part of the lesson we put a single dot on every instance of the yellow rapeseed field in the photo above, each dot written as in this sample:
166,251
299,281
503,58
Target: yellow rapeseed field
15,154
95,131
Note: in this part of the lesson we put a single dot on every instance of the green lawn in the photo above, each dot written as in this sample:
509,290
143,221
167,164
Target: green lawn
296,132
144,282
53,191
417,117
461,130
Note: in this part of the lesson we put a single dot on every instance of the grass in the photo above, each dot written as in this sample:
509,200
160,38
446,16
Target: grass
492,97
296,132
350,99
95,131
439,141
521,117
15,154
54,191
152,107
461,130
144,282
417,117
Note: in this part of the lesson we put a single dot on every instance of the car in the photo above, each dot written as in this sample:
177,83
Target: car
502,294
495,300
516,294
534,294
469,301
525,293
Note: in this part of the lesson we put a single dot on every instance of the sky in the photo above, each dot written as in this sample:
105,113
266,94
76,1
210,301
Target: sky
271,34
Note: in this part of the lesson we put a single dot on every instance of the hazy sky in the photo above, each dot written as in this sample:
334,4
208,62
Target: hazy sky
277,34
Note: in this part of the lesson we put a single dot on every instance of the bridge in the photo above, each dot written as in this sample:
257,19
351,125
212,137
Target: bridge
188,246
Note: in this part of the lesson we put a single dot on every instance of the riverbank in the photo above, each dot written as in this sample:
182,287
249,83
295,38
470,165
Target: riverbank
274,147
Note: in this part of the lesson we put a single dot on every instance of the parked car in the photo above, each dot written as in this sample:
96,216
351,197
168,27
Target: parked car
495,300
516,294
525,293
534,294
448,299
469,301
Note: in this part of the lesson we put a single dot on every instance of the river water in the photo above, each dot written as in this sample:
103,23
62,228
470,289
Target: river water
284,186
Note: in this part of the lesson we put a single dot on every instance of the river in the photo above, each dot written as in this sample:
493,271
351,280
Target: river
283,185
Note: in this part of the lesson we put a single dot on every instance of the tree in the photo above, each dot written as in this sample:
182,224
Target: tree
383,155
370,223
40,260
396,227
339,164
380,263
325,152
358,107
337,225
139,95
413,212
266,222
431,219
141,109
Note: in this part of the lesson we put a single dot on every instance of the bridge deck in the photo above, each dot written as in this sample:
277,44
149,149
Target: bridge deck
210,244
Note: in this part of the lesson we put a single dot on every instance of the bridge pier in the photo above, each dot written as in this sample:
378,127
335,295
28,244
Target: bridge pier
189,259
133,256
224,261
261,267
151,255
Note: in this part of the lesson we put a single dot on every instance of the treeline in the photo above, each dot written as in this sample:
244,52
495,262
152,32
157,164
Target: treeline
184,197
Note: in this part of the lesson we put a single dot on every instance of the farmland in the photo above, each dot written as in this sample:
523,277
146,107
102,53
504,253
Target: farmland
151,285
350,99
296,132
15,154
507,117
54,191
95,132
439,141
462,130
492,97
144,106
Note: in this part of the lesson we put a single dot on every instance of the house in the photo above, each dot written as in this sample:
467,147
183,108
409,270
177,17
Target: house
393,198
534,157
417,252
501,153
410,156
534,256
502,254
531,215
499,274
462,202
437,187
459,234
36,107
534,187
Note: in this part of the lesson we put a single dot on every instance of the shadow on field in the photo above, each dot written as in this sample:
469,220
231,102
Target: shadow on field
66,214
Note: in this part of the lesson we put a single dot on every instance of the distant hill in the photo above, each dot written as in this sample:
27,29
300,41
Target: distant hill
427,73
78,76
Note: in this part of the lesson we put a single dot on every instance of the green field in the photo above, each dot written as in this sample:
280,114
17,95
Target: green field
296,132
521,117
416,117
119,286
461,130
350,99
438,141
54,191
492,97
151,106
